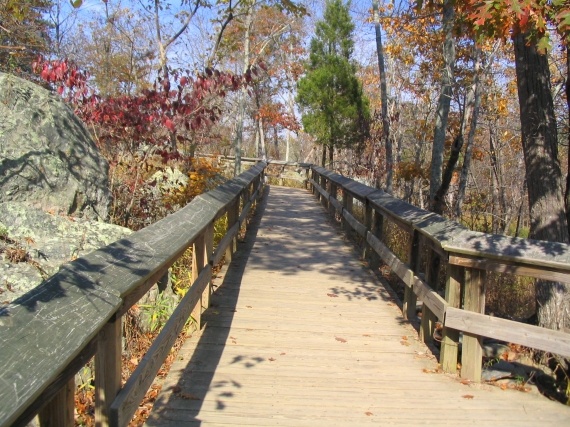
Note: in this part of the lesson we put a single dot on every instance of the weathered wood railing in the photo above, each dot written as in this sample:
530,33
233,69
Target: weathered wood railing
467,256
50,333
277,172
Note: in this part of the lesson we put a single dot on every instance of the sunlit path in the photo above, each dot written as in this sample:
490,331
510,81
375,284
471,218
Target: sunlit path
301,333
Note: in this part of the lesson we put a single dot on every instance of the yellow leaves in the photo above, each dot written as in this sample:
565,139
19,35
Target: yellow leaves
202,177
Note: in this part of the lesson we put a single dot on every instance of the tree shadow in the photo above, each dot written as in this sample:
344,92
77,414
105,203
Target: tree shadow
197,378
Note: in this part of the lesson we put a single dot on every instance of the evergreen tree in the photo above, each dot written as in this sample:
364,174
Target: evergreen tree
335,111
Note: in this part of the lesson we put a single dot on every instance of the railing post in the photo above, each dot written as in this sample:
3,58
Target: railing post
450,341
314,174
472,348
323,184
346,204
201,256
427,326
410,300
59,412
107,370
368,219
376,229
233,216
333,191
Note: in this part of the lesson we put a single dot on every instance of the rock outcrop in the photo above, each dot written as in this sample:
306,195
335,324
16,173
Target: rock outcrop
34,244
54,192
47,157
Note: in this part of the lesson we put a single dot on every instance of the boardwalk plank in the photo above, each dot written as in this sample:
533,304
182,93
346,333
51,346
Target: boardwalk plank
301,334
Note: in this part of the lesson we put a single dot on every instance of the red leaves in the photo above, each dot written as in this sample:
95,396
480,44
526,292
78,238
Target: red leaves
151,117
169,124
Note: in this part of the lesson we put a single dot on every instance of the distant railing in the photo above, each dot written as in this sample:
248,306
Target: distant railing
467,256
47,335
277,172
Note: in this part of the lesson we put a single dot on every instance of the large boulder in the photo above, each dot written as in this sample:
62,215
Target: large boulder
34,244
47,157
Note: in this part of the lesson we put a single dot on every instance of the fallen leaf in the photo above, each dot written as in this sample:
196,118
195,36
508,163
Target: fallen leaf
332,295
339,339
465,382
248,306
283,354
368,413
366,335
271,359
406,343
404,338
188,396
468,396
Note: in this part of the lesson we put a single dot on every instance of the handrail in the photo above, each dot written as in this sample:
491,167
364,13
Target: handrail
47,335
468,255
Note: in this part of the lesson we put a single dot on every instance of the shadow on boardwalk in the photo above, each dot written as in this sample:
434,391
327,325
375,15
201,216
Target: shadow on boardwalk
300,332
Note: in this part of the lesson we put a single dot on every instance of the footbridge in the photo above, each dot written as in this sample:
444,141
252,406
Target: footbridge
298,328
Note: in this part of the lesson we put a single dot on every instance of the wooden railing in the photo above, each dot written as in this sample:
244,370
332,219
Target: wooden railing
277,172
50,333
466,256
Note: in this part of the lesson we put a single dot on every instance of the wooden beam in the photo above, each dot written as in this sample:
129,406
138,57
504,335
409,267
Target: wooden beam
59,412
107,370
450,337
128,399
354,223
511,267
226,244
472,349
556,342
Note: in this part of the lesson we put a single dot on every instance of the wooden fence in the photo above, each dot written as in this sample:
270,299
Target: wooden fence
277,171
466,255
50,333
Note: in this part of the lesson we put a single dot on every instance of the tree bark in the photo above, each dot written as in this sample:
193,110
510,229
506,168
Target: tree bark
543,173
238,142
567,192
443,103
384,100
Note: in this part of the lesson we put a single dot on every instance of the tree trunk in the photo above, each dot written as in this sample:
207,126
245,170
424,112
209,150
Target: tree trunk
384,100
464,176
241,109
444,101
472,101
262,150
543,173
567,192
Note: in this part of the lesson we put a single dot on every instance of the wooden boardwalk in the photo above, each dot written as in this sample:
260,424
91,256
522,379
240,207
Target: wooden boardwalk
301,333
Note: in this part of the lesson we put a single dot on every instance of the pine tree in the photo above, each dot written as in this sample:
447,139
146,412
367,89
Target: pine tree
335,111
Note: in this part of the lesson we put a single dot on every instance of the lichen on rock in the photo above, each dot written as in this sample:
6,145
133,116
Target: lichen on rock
47,157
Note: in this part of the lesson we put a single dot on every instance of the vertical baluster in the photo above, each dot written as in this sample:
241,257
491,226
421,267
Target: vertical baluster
409,304
59,412
450,342
472,348
107,370
201,256
427,326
